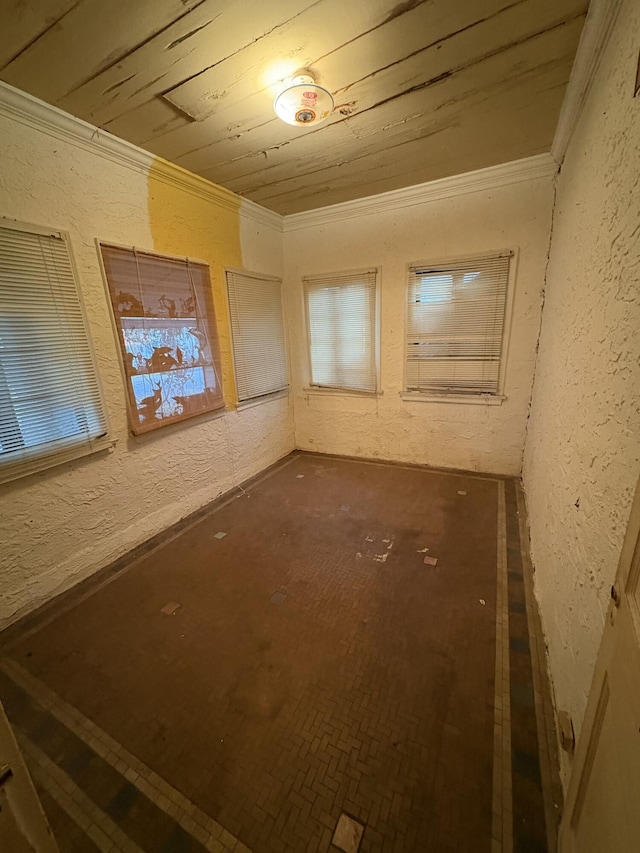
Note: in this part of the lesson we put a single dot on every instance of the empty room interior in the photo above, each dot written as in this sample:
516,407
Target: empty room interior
320,426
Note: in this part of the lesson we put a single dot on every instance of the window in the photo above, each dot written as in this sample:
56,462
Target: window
455,326
257,328
341,327
50,402
163,308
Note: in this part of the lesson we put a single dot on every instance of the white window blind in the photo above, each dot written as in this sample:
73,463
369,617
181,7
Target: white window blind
50,400
257,328
341,326
455,326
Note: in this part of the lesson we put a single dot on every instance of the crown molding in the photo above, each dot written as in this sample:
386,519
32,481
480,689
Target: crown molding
493,177
26,109
32,111
597,29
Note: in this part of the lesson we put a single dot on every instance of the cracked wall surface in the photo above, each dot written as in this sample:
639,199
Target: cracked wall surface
582,456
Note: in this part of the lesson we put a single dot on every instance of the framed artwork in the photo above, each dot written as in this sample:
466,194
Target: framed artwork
164,314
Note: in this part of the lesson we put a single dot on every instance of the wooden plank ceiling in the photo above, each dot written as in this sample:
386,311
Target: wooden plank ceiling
423,88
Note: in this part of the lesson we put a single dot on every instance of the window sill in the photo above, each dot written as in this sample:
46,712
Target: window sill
466,399
36,464
258,401
318,391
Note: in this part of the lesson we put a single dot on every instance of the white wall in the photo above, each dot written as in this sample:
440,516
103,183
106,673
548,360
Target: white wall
61,525
472,437
582,456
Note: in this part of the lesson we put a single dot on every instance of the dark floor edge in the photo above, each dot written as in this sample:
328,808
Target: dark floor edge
68,598
520,601
397,463
40,615
96,781
545,708
534,764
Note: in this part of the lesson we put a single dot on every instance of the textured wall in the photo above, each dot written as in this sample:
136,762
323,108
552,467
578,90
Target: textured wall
474,437
61,525
582,455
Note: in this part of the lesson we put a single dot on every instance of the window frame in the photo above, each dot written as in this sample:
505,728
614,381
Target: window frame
481,397
309,387
135,430
39,462
269,395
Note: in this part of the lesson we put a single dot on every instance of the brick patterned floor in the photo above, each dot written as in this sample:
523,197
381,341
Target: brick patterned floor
366,687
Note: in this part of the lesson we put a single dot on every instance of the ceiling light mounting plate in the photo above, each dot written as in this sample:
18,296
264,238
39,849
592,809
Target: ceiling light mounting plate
303,102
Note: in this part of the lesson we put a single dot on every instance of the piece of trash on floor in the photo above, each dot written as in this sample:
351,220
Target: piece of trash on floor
422,550
348,834
368,538
344,508
389,546
430,561
381,558
482,601
219,535
299,476
358,555
170,608
461,492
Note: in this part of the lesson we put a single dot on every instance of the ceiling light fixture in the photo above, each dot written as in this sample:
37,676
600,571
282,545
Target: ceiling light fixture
303,102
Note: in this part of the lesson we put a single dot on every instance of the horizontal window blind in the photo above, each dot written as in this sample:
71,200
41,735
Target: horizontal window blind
341,325
257,328
455,326
50,399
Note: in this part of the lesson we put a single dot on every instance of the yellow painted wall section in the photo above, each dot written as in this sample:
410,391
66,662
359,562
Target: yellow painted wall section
186,223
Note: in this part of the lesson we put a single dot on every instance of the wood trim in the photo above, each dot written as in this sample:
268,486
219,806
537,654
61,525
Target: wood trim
528,169
204,315
599,23
48,119
589,761
594,716
626,572
35,113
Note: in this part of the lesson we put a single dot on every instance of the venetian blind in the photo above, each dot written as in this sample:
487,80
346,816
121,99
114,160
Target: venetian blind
455,326
50,399
341,325
257,327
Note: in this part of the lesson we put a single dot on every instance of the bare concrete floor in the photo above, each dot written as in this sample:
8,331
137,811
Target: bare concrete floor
291,657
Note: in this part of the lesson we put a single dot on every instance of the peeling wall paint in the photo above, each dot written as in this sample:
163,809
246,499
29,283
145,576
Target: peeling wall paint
582,456
60,526
455,435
